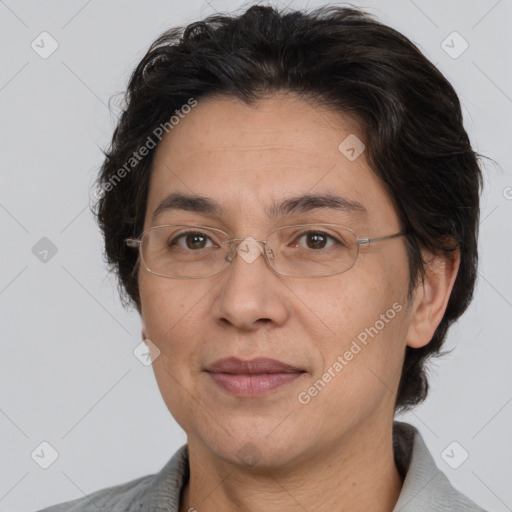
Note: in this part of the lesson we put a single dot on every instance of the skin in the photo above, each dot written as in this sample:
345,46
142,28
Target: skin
335,453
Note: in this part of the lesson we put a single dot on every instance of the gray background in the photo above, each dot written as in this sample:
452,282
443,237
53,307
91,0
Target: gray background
68,373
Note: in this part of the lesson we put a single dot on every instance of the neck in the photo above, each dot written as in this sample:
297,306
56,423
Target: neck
359,474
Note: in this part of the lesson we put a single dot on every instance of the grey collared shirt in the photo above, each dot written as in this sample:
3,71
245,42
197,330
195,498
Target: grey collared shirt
425,488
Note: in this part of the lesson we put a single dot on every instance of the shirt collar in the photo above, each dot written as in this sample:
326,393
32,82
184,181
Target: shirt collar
424,484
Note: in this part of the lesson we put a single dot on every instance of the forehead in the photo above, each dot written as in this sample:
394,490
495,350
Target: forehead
250,159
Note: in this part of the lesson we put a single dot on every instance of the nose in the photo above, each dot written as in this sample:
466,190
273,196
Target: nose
251,294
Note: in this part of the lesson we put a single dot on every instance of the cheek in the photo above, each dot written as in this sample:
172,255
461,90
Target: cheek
366,313
344,305
361,368
163,303
169,315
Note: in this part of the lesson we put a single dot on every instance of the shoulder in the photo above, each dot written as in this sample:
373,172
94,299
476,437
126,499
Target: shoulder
148,492
119,497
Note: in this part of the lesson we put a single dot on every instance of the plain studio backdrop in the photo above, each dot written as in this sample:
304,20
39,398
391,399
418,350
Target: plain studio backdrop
71,387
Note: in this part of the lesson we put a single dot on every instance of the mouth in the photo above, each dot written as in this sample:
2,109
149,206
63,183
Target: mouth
251,378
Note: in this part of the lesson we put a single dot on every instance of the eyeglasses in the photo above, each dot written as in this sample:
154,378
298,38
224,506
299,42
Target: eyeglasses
181,251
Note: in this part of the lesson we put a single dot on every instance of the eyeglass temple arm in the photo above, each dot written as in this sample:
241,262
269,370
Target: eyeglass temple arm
132,242
361,241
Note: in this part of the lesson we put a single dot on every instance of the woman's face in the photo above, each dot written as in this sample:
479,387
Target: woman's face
343,337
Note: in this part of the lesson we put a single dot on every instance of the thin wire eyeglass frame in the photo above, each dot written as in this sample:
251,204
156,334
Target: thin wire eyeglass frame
267,252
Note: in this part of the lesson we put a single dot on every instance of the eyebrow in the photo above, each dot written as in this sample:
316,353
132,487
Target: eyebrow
299,204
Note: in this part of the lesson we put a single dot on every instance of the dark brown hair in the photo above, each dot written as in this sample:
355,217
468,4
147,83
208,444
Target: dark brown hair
343,59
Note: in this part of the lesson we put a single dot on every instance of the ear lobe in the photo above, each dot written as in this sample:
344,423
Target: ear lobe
431,297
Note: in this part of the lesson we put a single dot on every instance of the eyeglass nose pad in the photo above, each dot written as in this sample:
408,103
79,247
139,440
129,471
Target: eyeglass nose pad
270,254
230,254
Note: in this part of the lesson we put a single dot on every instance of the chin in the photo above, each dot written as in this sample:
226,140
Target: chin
257,443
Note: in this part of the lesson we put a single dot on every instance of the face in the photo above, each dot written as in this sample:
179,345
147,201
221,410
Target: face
343,336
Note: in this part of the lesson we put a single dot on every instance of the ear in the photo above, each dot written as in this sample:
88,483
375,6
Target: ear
431,297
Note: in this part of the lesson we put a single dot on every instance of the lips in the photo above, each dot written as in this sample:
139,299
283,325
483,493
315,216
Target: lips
251,378
259,365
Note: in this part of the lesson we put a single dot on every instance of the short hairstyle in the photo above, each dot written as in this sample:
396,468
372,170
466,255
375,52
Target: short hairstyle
339,58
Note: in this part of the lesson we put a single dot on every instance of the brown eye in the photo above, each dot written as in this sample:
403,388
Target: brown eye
315,240
196,241
192,241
